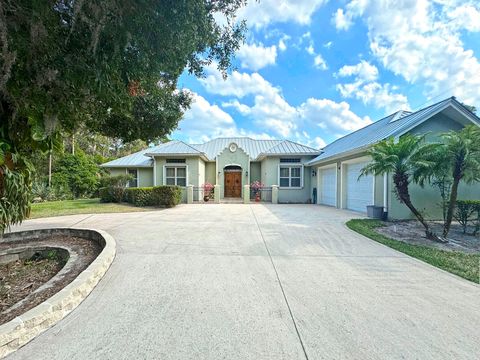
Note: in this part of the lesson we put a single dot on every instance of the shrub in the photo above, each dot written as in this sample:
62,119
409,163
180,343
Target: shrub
465,211
167,196
116,180
140,196
112,194
40,191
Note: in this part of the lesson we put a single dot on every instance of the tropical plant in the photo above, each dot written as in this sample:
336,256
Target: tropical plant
457,158
464,210
109,66
78,173
399,158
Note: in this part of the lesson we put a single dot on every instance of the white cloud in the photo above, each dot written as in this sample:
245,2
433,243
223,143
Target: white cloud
282,43
363,70
422,42
204,121
342,21
332,116
328,44
257,56
319,62
271,112
262,13
241,108
365,88
319,143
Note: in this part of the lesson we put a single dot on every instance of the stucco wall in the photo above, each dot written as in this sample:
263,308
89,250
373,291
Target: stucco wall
255,171
211,172
117,171
427,199
269,176
240,158
193,171
145,177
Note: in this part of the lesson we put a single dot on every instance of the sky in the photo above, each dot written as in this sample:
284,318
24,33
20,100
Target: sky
314,70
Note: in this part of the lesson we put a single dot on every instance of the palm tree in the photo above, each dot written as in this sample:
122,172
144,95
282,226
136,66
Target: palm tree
399,159
456,158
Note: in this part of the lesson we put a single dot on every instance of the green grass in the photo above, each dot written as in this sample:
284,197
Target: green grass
458,263
80,206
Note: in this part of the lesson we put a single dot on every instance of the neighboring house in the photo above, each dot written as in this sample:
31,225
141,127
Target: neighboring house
339,165
298,169
228,162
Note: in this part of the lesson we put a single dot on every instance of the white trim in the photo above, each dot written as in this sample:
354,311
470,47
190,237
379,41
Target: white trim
385,192
291,165
175,166
373,190
154,171
453,105
320,182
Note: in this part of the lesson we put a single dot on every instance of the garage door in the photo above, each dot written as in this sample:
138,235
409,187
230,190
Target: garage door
359,191
328,189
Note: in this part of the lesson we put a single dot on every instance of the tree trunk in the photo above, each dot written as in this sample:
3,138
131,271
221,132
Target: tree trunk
50,168
401,187
451,205
73,144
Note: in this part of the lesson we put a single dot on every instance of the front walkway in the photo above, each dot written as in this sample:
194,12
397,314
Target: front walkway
259,282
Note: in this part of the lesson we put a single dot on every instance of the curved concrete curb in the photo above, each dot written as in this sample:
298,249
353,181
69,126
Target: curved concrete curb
27,326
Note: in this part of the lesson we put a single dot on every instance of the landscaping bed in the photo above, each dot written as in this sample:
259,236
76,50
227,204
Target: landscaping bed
452,258
52,263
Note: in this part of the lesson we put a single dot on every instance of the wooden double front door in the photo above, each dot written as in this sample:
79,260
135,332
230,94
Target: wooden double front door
233,184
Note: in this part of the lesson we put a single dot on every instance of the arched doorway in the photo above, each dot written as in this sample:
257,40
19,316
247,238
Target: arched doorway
232,175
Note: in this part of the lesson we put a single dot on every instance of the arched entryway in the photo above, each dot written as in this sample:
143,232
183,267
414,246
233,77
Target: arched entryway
232,175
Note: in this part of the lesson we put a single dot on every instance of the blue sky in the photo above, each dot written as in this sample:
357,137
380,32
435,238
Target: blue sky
314,70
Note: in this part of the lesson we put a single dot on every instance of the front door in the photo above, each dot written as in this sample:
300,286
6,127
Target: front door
233,184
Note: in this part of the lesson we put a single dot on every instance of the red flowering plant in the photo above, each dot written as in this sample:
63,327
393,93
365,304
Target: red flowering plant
207,189
256,185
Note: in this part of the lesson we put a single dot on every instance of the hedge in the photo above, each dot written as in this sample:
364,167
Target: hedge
164,196
111,194
140,196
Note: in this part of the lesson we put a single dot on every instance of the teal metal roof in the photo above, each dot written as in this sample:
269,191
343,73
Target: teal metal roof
211,149
395,124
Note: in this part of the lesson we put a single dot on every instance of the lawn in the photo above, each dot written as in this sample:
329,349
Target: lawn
458,263
80,206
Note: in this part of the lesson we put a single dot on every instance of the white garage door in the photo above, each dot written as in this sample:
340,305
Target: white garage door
328,189
359,191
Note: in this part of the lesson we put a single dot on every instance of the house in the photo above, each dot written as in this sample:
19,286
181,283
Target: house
338,167
298,169
230,163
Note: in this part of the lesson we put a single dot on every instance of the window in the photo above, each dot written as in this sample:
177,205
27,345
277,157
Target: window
291,176
290,160
134,181
175,175
175,161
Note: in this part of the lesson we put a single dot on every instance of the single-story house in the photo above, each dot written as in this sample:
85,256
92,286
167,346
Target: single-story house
228,162
299,170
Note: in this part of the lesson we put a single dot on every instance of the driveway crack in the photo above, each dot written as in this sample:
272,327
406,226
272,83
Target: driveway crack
280,284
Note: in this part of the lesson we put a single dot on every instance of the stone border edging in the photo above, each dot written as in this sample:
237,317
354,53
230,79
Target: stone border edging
24,328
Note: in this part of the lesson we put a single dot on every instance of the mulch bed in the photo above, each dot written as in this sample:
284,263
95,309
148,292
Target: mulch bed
412,232
20,279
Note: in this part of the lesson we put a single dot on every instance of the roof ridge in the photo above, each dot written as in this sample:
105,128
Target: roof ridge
297,143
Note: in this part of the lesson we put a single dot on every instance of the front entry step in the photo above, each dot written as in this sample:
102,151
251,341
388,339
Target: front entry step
231,201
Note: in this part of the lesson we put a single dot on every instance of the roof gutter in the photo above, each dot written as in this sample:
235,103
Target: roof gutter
340,155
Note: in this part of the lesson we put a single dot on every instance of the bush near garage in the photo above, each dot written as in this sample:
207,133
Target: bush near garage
468,212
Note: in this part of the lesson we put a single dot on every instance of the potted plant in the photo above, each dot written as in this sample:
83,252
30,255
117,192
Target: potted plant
207,191
256,186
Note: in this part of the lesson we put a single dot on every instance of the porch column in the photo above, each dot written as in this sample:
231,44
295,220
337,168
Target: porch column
216,194
190,194
274,194
246,194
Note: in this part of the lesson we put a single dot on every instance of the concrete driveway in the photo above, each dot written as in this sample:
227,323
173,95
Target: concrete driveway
259,282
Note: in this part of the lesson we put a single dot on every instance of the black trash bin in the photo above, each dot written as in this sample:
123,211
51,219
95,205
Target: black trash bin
375,212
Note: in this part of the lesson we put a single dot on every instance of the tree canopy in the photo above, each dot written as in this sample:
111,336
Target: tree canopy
111,66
